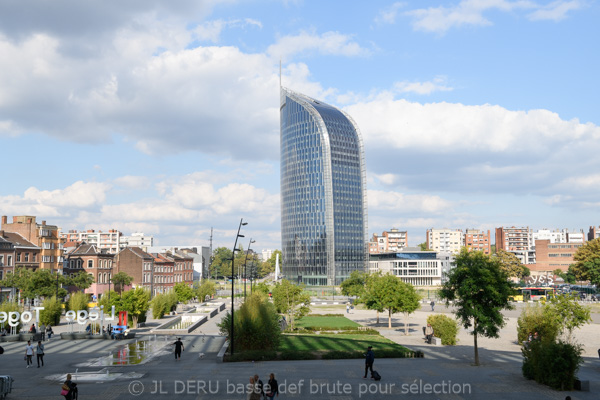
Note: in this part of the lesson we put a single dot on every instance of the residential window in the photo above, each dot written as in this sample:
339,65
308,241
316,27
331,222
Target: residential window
1,261
9,261
26,257
18,257
90,263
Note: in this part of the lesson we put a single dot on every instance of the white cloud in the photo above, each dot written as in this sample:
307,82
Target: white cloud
329,43
437,84
211,30
406,203
79,194
447,127
388,15
555,11
133,182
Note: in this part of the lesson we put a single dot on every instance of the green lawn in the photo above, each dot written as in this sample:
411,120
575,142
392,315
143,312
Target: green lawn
337,342
324,322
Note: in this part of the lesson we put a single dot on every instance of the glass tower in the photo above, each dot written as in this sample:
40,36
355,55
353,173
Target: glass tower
323,192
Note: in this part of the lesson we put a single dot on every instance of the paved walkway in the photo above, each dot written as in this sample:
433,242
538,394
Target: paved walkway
445,372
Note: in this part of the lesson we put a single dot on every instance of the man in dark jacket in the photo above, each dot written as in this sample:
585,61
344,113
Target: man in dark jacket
369,359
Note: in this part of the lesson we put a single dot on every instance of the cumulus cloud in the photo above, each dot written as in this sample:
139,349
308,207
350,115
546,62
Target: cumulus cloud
381,200
79,194
211,30
328,43
388,15
435,85
472,13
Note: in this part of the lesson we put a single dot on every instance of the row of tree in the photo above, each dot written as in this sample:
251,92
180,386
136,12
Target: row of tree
255,268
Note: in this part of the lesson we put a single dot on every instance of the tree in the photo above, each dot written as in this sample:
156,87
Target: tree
268,266
38,283
120,280
369,296
568,276
221,261
291,299
354,285
137,303
480,290
81,280
423,246
511,264
183,291
587,262
409,302
78,301
207,288
50,315
568,314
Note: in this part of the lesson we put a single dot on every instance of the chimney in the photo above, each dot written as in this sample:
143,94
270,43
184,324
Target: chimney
43,223
1,234
4,220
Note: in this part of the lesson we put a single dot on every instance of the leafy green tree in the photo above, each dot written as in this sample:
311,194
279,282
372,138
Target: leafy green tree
423,246
354,285
109,299
537,318
568,314
12,306
256,325
370,297
207,288
587,262
183,291
50,315
268,266
163,303
78,301
120,280
291,299
511,264
81,280
38,283
137,303
479,289
221,262
567,276
409,302
263,288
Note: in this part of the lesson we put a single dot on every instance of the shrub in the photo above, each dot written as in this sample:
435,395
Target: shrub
444,327
252,355
50,315
10,307
256,325
552,363
296,355
339,354
537,318
78,301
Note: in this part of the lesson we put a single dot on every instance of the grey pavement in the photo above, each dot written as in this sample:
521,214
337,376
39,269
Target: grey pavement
446,372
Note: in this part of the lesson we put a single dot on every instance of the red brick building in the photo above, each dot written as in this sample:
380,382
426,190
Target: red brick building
476,240
551,256
97,263
138,264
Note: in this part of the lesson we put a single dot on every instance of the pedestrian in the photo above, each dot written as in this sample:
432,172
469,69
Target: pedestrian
348,309
369,360
178,349
253,392
40,353
272,387
32,329
69,389
49,332
259,386
428,333
29,353
432,304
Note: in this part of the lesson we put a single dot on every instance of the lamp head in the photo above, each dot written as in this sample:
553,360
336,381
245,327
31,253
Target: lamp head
244,223
241,235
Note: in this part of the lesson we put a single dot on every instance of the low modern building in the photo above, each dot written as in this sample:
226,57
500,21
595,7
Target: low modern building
419,268
109,241
137,239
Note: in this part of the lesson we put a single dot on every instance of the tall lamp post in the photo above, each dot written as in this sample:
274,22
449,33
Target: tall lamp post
233,276
246,262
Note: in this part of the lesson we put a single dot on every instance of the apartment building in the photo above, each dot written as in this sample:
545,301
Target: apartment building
96,262
110,241
389,241
518,241
476,240
559,236
593,233
137,239
551,255
42,235
138,264
445,240
163,273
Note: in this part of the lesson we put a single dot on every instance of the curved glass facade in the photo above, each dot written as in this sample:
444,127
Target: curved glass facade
323,192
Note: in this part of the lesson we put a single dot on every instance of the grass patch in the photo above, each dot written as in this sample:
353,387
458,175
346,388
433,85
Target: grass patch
326,322
333,342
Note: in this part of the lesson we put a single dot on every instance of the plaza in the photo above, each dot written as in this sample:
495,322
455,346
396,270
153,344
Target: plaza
446,372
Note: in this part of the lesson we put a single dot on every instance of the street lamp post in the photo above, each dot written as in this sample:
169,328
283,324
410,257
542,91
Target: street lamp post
233,276
246,262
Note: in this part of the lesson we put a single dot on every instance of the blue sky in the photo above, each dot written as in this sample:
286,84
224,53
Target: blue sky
162,117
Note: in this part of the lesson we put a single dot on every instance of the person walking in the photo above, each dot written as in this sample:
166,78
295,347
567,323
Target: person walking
272,388
178,349
40,353
29,353
253,392
369,360
432,304
428,333
69,389
259,386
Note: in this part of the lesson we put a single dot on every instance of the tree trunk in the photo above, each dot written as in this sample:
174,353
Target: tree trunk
377,316
406,324
390,319
475,343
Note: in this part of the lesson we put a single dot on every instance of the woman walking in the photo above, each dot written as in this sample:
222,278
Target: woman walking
272,387
40,353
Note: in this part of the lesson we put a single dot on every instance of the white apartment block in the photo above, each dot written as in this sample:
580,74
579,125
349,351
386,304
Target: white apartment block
137,239
109,241
419,268
445,240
